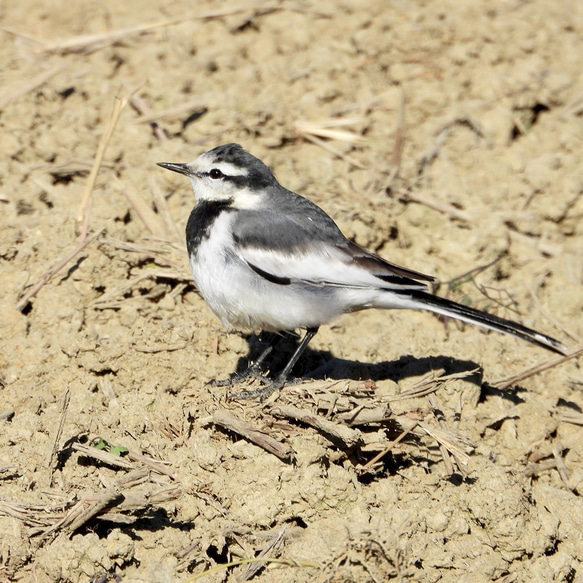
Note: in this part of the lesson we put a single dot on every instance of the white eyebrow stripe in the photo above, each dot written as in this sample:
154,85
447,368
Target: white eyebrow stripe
204,165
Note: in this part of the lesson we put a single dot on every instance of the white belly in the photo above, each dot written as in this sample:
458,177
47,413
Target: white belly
243,300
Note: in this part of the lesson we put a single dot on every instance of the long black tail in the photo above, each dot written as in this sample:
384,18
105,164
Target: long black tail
460,312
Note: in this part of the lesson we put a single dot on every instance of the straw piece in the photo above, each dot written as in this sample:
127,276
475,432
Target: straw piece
226,419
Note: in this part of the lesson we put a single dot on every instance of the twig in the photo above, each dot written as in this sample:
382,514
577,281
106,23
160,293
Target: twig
188,106
155,465
64,408
328,129
447,442
111,497
439,416
52,271
389,447
366,415
142,109
107,390
253,568
224,566
171,229
226,419
83,511
340,435
30,85
103,456
162,348
550,317
573,417
332,150
573,107
106,301
441,136
150,219
430,383
561,468
442,207
469,275
395,161
88,42
572,352
83,214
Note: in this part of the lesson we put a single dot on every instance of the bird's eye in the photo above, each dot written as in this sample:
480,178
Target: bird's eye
215,174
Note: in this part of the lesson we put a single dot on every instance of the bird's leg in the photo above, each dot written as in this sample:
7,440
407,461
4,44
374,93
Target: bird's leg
310,333
256,365
252,370
279,382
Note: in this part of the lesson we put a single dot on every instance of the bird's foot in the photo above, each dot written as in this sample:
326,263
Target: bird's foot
237,378
263,392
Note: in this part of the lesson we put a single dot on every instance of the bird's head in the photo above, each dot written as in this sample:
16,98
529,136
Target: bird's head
227,173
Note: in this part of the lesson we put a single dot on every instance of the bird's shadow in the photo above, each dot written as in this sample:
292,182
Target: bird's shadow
322,364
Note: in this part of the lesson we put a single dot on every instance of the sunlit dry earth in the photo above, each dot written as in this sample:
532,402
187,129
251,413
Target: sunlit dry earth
445,137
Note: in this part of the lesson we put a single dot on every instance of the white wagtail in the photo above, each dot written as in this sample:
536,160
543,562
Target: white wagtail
265,258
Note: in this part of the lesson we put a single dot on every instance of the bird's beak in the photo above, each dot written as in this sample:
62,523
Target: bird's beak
180,168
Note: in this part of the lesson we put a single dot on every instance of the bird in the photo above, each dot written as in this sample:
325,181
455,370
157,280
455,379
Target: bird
267,259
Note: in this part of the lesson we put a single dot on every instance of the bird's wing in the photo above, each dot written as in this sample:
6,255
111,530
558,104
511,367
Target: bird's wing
284,249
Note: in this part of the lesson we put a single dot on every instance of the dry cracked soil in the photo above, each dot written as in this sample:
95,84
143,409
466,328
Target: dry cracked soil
445,136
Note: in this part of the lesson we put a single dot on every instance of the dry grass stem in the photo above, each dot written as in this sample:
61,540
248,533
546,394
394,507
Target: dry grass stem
52,459
167,253
8,414
273,546
146,214
34,516
158,466
171,230
551,318
83,214
103,456
32,84
91,42
395,162
430,383
440,206
228,420
111,497
74,515
340,435
266,560
81,512
574,106
573,417
328,129
561,468
113,299
380,413
177,110
534,469
573,352
52,271
333,150
142,109
448,441
377,458
452,444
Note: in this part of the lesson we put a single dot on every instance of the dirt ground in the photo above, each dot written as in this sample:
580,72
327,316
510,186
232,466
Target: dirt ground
445,136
